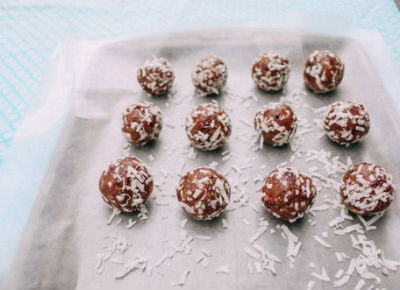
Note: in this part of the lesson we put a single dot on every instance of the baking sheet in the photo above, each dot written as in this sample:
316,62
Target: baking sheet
66,233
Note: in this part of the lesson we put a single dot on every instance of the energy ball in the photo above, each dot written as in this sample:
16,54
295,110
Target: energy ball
126,184
142,123
276,123
346,122
203,193
208,127
323,71
209,76
270,71
156,76
367,189
287,193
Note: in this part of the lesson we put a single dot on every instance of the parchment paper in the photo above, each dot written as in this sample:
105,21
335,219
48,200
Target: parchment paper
66,233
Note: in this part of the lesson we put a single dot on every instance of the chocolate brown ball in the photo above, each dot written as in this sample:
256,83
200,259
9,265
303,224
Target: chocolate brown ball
142,123
156,76
276,123
126,184
323,71
346,122
270,71
209,76
203,193
367,189
288,194
208,127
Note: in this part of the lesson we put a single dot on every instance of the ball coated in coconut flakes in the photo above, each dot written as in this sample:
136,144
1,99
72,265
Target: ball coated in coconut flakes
208,127
288,194
126,184
323,71
142,123
209,76
270,71
276,123
346,122
156,76
367,189
203,193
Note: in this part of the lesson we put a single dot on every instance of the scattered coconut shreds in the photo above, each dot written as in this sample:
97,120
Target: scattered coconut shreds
225,224
131,223
339,273
183,278
162,203
118,245
250,267
310,285
207,253
201,237
143,213
258,267
339,257
360,284
368,225
319,208
390,264
183,223
161,260
114,213
341,281
199,259
321,241
312,222
349,229
245,221
258,234
266,253
223,269
139,263
323,276
252,253
293,243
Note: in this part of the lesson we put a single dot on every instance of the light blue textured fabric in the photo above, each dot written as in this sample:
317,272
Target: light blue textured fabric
30,30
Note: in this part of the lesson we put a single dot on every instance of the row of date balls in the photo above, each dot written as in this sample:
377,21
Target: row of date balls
323,71
208,126
287,194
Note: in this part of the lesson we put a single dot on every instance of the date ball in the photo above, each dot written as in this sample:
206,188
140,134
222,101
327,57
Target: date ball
209,76
367,189
346,122
126,184
142,123
288,194
270,71
276,123
156,76
208,127
323,71
203,193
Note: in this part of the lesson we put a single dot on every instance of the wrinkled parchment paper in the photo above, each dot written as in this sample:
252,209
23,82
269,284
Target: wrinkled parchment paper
65,243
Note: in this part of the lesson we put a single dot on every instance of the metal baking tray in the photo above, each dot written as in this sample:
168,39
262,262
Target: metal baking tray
71,242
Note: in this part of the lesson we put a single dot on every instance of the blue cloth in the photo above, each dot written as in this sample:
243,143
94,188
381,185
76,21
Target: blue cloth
30,30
